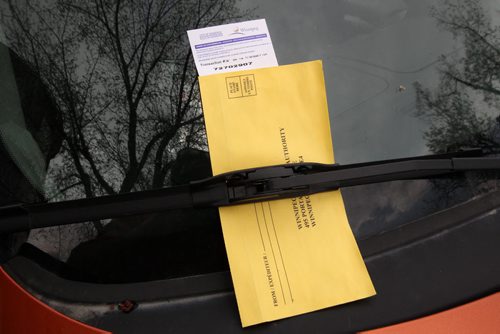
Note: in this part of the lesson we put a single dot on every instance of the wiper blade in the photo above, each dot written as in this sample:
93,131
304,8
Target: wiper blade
243,186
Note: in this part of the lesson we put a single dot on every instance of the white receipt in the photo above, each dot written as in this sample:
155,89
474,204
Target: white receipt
232,47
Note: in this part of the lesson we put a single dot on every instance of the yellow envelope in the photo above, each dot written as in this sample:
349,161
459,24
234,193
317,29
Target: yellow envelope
289,256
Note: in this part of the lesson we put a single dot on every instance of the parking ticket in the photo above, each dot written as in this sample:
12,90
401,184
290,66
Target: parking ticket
289,256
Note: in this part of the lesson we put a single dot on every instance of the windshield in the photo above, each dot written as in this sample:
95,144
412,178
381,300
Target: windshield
102,98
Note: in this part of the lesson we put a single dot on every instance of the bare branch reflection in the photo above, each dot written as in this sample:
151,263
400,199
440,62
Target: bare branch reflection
464,107
123,81
463,110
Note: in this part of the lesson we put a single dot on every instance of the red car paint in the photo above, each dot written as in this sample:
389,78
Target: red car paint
22,313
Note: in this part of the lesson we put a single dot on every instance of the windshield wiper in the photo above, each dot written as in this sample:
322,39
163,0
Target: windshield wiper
243,186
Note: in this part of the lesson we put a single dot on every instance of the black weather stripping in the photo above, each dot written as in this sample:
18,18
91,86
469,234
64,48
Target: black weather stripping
243,186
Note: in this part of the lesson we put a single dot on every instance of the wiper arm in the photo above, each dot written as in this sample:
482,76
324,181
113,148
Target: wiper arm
244,186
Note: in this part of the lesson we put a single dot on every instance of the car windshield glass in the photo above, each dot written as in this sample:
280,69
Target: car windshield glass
102,98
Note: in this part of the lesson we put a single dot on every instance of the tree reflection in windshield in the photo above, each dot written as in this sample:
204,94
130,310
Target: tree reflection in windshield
463,108
125,86
122,77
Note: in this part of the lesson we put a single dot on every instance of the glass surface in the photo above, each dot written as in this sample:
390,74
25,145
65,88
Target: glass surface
102,98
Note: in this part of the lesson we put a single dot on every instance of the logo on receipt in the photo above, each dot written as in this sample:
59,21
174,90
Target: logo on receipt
237,32
243,30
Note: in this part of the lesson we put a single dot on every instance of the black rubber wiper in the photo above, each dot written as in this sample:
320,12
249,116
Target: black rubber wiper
243,186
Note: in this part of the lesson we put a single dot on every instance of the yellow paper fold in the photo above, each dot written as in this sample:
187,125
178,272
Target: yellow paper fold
289,256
